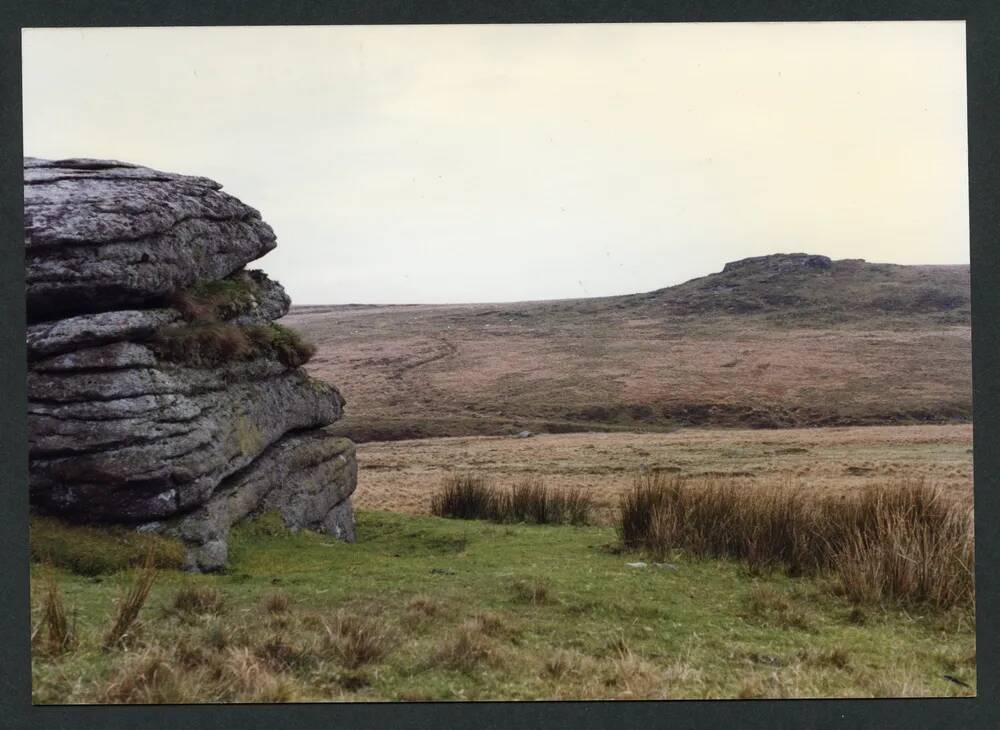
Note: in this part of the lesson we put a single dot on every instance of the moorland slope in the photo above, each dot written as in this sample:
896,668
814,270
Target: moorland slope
786,340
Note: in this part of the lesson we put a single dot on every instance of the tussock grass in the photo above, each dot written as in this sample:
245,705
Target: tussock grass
533,592
283,343
490,624
207,338
92,551
152,677
277,603
203,343
210,344
354,640
60,634
423,605
531,501
158,676
219,299
469,649
199,600
770,607
466,497
902,541
130,604
473,497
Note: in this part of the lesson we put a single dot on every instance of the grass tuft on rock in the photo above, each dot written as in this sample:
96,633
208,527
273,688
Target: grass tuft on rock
208,339
219,299
281,342
209,344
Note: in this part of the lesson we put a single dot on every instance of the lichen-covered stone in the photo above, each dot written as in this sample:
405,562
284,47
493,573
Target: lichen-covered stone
126,439
102,235
129,270
90,330
307,477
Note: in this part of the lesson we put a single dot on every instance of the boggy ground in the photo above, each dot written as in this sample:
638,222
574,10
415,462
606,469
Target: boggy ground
402,475
423,608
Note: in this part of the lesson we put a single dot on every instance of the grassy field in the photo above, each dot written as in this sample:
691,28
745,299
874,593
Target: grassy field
830,380
423,608
400,476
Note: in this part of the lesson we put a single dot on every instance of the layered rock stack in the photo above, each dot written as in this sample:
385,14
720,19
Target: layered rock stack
161,393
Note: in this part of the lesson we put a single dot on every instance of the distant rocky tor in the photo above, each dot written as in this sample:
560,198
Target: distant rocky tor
812,287
161,394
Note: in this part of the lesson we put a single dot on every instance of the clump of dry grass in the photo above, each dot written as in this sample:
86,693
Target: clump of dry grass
489,624
283,343
277,603
219,299
531,501
910,559
420,610
902,541
60,634
130,603
621,673
280,655
207,338
534,592
424,605
248,678
470,648
353,640
765,603
193,599
215,343
203,343
152,677
835,658
761,687
558,664
473,497
160,676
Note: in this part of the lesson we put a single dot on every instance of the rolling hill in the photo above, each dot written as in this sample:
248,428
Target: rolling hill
786,340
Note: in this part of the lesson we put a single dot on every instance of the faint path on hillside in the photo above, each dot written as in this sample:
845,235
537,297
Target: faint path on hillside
450,348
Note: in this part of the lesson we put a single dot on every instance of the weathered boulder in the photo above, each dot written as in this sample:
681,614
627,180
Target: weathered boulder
780,262
306,477
91,330
264,301
270,303
115,434
160,393
103,235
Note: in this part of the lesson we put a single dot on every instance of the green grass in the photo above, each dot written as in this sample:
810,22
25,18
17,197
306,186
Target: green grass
96,551
461,610
218,299
207,338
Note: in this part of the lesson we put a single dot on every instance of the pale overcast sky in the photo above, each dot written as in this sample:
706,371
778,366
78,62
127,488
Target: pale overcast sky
498,163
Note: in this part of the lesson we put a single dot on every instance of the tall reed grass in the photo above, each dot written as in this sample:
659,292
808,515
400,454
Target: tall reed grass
130,603
473,497
60,633
903,541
